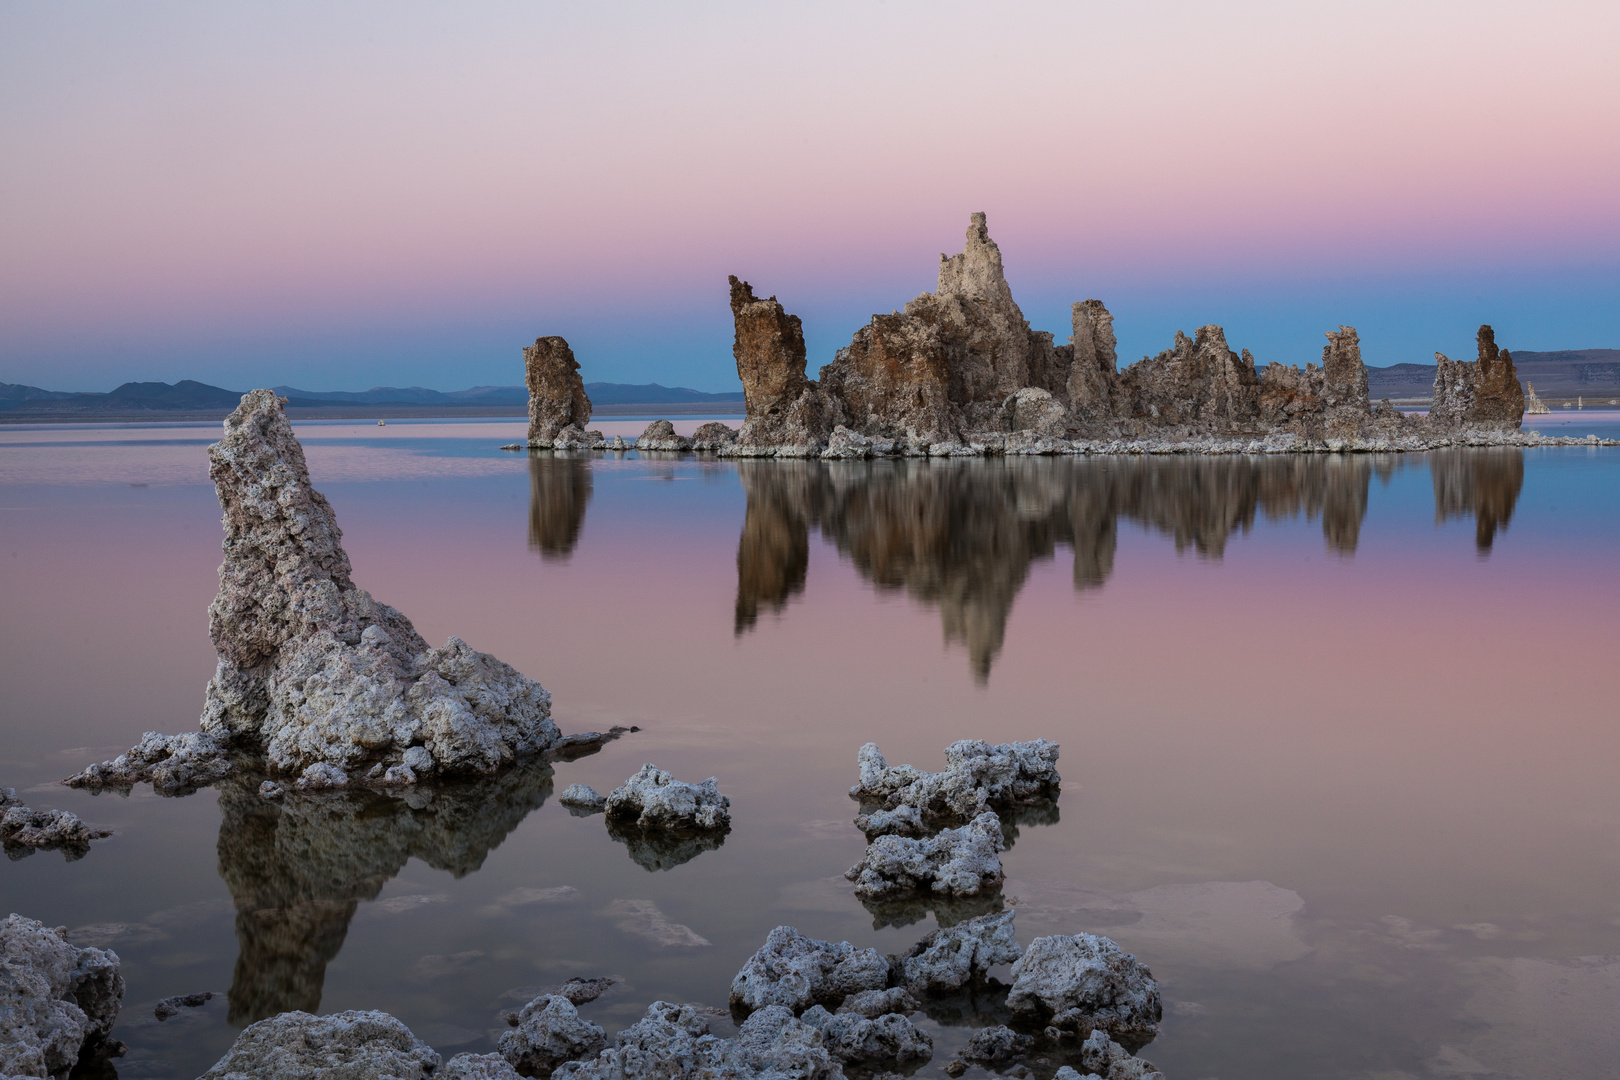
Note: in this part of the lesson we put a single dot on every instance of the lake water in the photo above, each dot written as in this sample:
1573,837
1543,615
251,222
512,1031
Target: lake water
1339,732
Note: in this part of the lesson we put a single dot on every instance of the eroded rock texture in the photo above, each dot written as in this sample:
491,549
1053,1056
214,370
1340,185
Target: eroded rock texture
317,680
954,862
548,1032
653,799
797,971
24,830
672,1042
660,435
557,398
1484,392
57,1001
786,413
952,958
888,1041
1086,982
977,777
298,1046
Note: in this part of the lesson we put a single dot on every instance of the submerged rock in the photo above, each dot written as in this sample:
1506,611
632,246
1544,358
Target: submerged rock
1086,981
24,830
315,678
956,862
660,435
654,799
672,1042
298,1046
959,956
978,777
559,408
171,1006
57,1001
887,1040
548,1032
797,971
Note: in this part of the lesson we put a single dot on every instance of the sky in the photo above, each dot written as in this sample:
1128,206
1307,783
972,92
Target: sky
343,195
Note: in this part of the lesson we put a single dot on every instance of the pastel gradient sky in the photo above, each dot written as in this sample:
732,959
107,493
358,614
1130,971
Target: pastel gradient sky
341,195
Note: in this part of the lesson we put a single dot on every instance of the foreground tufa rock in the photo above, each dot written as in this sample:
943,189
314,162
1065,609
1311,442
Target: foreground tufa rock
956,957
978,777
548,1032
559,408
1085,982
298,1046
888,1041
477,1067
57,1002
315,677
672,1042
23,830
956,862
654,800
797,971
1102,1056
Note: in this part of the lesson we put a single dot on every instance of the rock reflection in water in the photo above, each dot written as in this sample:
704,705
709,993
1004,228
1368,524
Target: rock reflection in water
1483,482
946,910
559,492
961,535
653,850
298,868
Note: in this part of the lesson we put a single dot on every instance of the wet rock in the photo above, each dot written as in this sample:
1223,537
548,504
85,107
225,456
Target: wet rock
887,1040
549,1032
996,1046
1484,393
557,398
787,415
313,673
951,958
1084,979
57,1001
583,799
661,849
978,777
713,436
298,1046
875,1003
24,831
171,1006
1101,1055
672,1042
654,799
477,1067
956,862
796,971
660,435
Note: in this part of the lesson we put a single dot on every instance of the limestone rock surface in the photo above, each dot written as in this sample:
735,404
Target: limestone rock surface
956,862
24,830
673,1042
549,1031
954,957
654,799
660,435
354,1045
797,971
314,677
1084,979
57,1001
978,776
888,1040
557,398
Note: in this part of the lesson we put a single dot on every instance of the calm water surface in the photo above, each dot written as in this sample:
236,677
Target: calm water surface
1339,733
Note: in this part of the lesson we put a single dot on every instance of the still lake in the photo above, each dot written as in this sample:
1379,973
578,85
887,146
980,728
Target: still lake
1339,733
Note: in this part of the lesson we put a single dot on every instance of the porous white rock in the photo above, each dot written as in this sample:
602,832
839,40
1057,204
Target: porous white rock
581,797
172,764
477,1067
355,1045
846,444
312,671
1103,1057
978,776
654,799
889,1039
797,971
660,435
549,1031
875,1003
23,829
56,1000
1072,981
953,957
996,1046
672,1042
956,862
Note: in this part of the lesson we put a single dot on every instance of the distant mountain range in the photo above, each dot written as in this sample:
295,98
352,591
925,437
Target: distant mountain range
1567,373
140,398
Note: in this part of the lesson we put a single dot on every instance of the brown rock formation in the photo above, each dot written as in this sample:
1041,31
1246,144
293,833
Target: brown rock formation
894,382
557,398
784,408
1197,386
1482,392
1093,369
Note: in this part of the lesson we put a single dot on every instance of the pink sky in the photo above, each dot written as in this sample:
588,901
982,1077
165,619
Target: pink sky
343,195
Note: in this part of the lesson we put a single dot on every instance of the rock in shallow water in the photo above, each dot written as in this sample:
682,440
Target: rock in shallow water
583,799
1084,981
477,1067
958,956
549,1032
57,1001
978,776
888,1040
314,676
672,1042
797,971
298,1046
654,799
24,830
956,862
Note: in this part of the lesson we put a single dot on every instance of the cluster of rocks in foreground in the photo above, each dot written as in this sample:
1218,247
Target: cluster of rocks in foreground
317,684
24,830
960,372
